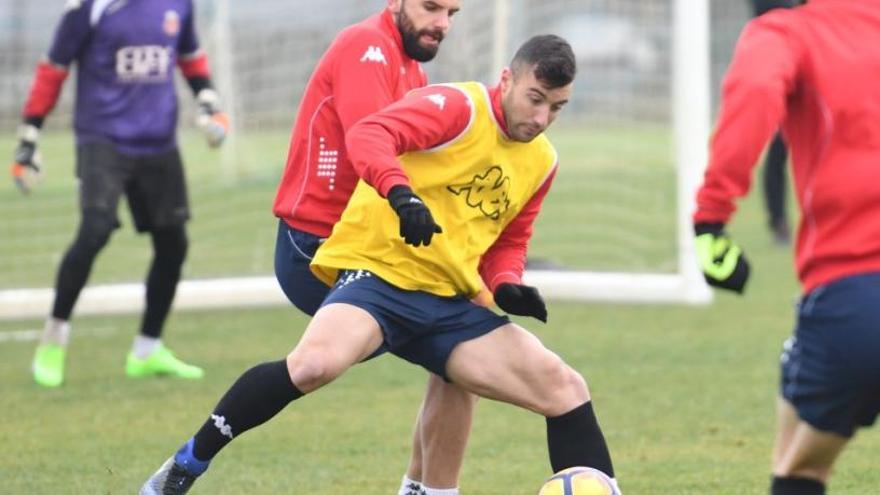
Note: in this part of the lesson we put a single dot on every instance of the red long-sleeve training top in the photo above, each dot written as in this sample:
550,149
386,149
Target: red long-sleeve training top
814,70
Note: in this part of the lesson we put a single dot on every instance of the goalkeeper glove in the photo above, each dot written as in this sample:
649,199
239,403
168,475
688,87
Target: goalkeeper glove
213,123
25,168
521,300
417,226
723,263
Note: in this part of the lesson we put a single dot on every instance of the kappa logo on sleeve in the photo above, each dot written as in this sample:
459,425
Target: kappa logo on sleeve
438,100
374,54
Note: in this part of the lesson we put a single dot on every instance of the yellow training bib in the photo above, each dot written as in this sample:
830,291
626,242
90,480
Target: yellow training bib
474,186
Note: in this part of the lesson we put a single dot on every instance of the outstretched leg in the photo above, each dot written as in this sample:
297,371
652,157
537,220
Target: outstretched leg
339,336
511,365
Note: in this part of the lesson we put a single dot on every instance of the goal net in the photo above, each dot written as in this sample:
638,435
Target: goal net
614,228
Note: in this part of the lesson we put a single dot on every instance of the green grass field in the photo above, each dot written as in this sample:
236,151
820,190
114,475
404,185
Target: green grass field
685,394
612,207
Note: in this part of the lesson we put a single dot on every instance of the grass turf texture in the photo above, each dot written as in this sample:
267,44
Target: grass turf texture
685,394
611,207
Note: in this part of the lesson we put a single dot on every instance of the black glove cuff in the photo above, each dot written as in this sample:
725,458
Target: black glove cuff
716,228
34,120
399,195
737,280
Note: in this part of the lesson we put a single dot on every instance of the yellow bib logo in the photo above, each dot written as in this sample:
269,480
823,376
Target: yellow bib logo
489,192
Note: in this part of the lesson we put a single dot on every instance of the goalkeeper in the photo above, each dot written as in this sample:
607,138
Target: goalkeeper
125,123
813,71
419,238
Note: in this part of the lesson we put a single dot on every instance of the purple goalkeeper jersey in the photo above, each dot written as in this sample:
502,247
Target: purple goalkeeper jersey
125,52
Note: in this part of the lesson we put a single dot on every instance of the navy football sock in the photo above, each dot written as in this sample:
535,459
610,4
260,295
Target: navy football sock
796,486
575,439
258,395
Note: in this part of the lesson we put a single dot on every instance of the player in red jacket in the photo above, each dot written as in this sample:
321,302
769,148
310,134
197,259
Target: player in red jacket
368,66
814,71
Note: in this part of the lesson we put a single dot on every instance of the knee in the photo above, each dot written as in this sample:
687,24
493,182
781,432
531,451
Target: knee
94,232
171,245
566,389
802,470
443,397
310,370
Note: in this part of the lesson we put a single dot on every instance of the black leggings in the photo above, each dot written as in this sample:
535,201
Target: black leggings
169,251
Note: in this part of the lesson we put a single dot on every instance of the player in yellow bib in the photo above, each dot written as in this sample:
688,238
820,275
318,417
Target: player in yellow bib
453,177
475,183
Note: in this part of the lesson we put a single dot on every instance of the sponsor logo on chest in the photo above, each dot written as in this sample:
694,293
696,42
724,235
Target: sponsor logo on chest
148,63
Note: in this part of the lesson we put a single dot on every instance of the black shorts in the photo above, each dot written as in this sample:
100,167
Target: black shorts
154,185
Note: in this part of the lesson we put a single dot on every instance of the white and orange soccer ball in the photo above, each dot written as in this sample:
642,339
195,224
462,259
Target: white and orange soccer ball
579,481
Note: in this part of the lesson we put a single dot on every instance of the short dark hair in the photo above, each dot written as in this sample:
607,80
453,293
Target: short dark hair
550,57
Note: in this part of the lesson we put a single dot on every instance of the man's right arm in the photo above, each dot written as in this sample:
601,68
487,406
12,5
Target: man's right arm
70,37
423,119
761,76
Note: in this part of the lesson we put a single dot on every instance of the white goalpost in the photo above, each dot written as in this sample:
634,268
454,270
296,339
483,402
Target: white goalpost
644,73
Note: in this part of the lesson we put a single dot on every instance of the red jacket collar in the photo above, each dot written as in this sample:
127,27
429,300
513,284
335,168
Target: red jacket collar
386,20
497,108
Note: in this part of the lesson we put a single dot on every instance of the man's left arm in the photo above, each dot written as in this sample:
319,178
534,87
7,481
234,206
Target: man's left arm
193,64
502,266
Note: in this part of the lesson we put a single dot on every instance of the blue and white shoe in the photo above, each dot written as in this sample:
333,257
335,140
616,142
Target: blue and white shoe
170,479
177,475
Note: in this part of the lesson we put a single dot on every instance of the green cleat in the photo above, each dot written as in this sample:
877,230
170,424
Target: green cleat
161,362
48,365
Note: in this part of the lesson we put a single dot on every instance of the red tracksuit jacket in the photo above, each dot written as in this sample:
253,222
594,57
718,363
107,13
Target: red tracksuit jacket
363,71
814,70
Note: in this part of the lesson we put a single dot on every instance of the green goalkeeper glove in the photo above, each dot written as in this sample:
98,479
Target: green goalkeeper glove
723,263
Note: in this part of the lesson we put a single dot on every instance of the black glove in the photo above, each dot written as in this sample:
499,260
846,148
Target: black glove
722,261
25,168
417,226
521,300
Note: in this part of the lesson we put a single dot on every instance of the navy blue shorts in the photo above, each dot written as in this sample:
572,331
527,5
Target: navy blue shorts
417,326
294,250
831,366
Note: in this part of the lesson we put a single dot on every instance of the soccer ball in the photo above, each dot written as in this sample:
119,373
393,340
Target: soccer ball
579,481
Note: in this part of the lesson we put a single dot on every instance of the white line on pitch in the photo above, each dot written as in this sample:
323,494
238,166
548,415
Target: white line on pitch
33,335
